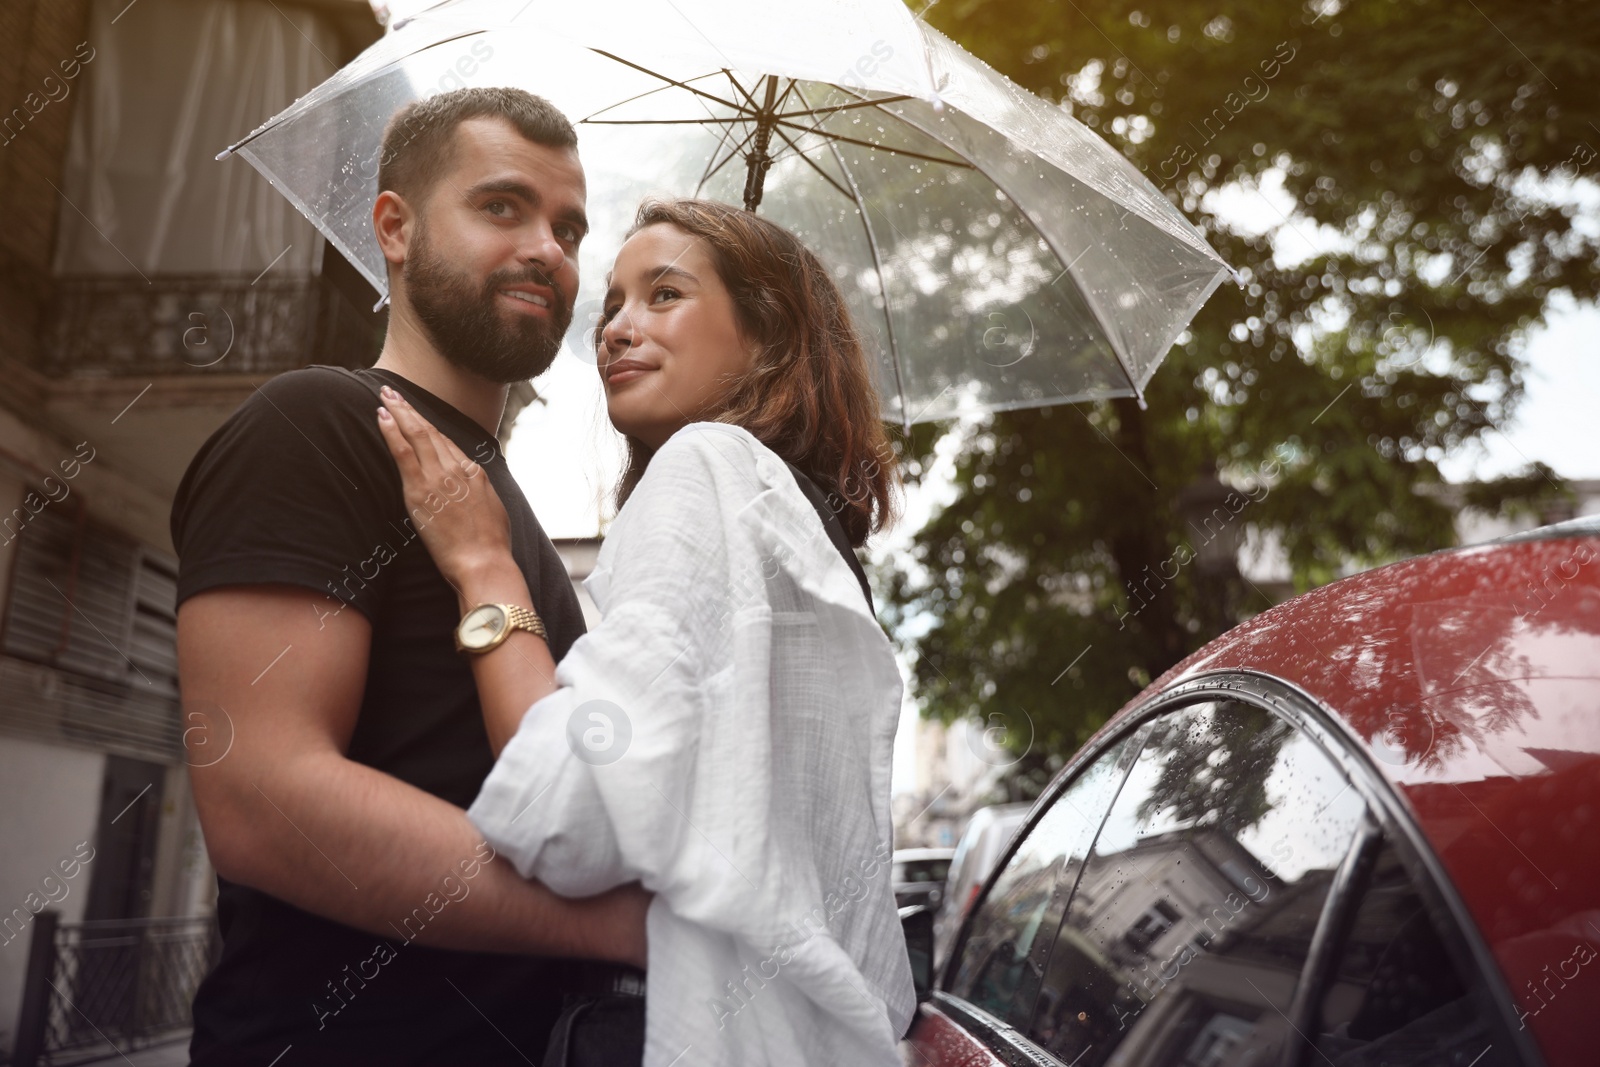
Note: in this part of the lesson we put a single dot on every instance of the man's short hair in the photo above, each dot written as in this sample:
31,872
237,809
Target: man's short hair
419,142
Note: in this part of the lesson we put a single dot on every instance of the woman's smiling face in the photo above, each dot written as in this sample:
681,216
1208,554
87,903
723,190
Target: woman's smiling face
670,346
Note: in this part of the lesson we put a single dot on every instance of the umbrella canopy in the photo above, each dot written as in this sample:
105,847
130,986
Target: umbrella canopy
996,253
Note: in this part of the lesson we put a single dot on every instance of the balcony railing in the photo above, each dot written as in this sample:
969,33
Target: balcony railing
206,324
95,988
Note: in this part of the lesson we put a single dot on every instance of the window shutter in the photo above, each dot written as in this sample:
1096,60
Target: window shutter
90,639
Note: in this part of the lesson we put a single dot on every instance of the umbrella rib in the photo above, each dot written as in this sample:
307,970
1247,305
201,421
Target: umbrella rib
712,166
883,285
746,115
814,166
669,81
741,117
832,108
750,99
878,147
815,128
636,96
700,98
707,121
1106,342
711,171
722,142
818,130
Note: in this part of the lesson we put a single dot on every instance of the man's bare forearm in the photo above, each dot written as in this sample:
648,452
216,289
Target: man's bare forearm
284,810
352,844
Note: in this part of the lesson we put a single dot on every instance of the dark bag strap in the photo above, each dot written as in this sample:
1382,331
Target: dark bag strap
835,528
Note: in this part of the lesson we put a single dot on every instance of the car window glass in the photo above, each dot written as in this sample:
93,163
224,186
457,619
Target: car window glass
1184,939
921,871
1011,930
1395,995
984,843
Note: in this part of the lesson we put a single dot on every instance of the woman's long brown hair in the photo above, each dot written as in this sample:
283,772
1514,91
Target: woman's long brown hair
808,395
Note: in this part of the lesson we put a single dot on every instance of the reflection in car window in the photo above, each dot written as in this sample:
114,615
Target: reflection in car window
1018,918
1395,996
921,871
1185,937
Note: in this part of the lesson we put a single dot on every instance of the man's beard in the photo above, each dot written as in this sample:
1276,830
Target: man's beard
467,326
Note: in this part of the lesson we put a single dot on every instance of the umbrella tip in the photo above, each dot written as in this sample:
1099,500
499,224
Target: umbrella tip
382,300
225,153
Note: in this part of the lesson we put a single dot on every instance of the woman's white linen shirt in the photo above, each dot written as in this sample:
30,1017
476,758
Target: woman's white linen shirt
725,737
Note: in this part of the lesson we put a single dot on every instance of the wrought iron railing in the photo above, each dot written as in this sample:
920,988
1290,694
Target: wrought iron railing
202,324
95,987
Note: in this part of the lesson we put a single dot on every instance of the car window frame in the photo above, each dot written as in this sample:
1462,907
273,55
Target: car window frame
1387,819
1046,799
1036,814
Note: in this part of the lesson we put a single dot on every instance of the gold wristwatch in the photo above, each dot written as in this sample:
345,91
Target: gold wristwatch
487,625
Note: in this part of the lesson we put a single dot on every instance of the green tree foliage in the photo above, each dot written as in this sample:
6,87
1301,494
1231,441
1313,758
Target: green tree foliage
1425,155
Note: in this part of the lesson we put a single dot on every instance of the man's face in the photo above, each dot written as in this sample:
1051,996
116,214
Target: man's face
492,264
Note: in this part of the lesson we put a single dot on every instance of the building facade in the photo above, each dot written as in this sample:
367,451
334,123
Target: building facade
147,290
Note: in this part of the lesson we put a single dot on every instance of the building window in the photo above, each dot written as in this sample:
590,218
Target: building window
1156,920
167,88
89,639
168,261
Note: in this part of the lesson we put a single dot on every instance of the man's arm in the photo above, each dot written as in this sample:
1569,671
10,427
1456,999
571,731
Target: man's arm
275,680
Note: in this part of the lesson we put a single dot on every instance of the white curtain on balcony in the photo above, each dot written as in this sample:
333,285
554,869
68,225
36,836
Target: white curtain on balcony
170,84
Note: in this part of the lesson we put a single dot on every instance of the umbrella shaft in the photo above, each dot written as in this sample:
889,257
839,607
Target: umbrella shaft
758,161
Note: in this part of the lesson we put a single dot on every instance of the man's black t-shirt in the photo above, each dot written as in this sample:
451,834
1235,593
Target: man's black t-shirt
299,487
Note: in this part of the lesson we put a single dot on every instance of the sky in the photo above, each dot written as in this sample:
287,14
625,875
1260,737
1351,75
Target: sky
1555,421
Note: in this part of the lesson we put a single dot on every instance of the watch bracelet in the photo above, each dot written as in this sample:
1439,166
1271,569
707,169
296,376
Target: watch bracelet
519,616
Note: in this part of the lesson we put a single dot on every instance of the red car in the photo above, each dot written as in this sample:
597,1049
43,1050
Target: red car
1362,828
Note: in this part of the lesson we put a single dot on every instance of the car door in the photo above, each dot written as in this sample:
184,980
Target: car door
1217,883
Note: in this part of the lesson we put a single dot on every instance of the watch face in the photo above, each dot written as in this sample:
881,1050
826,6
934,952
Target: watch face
482,625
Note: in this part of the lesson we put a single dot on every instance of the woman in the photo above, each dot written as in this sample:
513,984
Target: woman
724,735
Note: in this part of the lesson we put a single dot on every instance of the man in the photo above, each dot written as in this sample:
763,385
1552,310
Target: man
334,730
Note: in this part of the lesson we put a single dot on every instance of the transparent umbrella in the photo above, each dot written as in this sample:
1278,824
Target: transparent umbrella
996,253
